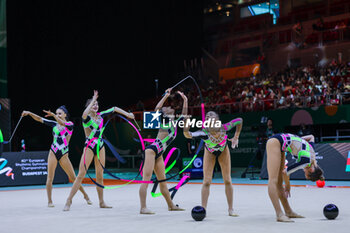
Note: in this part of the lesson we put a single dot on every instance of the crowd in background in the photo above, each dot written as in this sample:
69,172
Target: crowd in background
292,87
308,86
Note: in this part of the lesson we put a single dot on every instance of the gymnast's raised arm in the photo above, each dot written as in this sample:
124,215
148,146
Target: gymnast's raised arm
92,102
32,115
162,101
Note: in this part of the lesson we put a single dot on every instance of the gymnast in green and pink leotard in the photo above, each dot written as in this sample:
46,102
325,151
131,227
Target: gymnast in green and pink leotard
215,139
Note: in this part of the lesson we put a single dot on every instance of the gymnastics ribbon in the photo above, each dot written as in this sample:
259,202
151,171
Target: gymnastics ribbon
110,173
106,170
6,142
174,189
184,180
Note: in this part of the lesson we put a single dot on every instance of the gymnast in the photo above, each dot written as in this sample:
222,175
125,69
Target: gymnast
62,130
215,139
302,148
93,124
154,161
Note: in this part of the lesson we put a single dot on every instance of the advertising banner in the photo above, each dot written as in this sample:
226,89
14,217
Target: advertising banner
239,71
27,168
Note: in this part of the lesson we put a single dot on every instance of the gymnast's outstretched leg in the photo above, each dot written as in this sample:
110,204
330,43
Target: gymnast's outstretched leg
89,155
281,194
274,157
51,167
225,164
147,172
68,169
208,167
99,176
159,170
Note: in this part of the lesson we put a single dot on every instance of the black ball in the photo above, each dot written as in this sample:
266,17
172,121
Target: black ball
198,213
330,211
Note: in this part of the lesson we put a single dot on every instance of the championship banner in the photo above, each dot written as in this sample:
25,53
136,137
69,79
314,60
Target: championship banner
331,157
239,71
27,168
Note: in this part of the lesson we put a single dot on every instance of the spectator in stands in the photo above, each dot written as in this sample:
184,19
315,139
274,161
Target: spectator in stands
319,25
340,25
192,144
306,86
269,130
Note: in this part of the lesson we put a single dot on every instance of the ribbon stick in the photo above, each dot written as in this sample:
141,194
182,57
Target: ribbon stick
14,131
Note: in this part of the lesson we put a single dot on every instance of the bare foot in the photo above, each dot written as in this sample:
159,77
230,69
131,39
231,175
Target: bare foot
67,206
50,204
103,205
88,201
146,211
294,215
284,218
232,213
176,208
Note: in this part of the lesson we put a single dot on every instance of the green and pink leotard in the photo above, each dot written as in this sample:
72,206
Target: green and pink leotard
216,145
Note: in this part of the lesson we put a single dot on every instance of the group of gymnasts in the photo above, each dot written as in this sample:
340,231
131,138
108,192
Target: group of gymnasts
216,147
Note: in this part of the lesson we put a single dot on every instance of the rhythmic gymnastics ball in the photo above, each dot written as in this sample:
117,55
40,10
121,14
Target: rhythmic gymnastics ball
330,211
198,213
320,183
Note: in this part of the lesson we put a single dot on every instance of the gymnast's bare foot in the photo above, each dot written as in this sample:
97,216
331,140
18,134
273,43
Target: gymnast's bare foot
146,211
67,206
284,218
175,208
294,215
88,201
232,213
50,204
103,205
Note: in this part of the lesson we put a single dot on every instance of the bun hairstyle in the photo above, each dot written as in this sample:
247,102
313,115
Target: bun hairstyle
212,114
64,109
317,174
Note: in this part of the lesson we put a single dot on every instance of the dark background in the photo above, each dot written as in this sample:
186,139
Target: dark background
60,51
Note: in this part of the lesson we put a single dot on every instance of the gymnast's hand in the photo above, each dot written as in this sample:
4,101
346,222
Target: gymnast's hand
287,191
94,98
131,115
182,95
234,142
284,171
25,113
167,92
49,113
